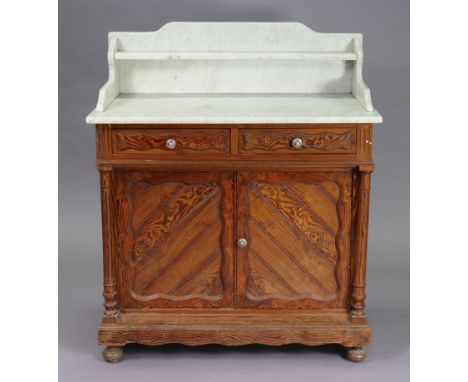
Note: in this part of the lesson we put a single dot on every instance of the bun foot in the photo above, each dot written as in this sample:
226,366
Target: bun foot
112,354
356,354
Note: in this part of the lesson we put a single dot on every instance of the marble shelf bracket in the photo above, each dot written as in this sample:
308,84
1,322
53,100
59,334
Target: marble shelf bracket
111,88
360,90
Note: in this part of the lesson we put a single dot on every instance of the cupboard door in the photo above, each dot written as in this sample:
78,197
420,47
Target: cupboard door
174,239
297,231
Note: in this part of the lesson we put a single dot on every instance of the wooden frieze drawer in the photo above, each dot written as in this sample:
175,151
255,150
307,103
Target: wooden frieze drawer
303,141
170,141
235,184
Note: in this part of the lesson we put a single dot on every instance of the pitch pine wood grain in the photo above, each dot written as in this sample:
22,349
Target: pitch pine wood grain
154,141
298,254
275,141
171,220
175,232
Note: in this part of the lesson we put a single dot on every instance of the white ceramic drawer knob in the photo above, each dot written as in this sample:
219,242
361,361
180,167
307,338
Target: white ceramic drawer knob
242,242
171,144
297,143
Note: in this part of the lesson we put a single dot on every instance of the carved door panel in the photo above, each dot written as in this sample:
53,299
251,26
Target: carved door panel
174,239
297,227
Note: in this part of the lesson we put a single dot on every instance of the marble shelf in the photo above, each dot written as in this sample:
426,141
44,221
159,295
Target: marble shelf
234,108
176,55
234,73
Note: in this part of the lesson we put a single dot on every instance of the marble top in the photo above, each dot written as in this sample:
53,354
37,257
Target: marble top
235,108
234,73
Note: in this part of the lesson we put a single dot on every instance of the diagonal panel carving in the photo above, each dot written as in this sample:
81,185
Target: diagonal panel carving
192,280
329,189
190,263
277,236
283,267
153,198
201,227
263,280
302,270
273,272
293,211
317,199
169,267
176,248
205,283
185,205
297,227
310,209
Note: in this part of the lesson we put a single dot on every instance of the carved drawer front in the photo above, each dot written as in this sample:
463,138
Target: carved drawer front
170,141
298,141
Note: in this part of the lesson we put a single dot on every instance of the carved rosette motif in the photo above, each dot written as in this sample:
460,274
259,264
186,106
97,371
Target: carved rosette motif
157,141
326,141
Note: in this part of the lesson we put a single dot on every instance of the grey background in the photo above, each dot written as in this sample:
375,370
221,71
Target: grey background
83,28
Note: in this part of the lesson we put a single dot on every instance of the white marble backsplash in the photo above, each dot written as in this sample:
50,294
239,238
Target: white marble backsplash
190,59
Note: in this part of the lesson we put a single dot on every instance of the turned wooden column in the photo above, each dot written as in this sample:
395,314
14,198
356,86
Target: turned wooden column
358,294
110,290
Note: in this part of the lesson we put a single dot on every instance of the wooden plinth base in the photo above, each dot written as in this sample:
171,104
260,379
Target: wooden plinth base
233,329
